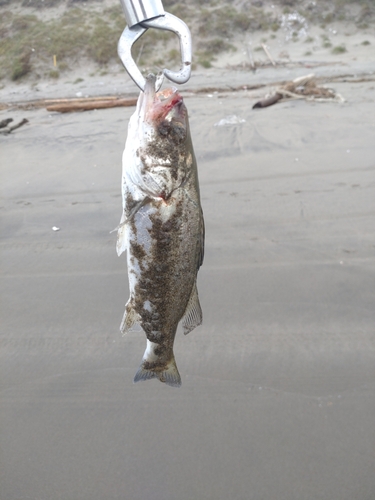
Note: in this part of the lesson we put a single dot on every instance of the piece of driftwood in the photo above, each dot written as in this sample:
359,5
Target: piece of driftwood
18,125
303,87
8,130
250,55
50,102
268,54
4,123
263,103
87,105
43,103
287,93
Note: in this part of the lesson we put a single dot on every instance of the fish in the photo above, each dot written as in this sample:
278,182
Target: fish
161,229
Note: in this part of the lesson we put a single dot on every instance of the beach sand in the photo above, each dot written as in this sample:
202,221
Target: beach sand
278,384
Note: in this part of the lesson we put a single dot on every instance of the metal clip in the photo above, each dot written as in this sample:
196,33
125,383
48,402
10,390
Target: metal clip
137,11
167,22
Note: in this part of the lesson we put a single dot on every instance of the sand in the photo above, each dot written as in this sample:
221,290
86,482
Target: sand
277,400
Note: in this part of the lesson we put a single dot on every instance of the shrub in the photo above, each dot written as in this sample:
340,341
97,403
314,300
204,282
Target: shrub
21,66
339,49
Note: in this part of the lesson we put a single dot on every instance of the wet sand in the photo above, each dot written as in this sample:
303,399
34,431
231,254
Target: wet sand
277,400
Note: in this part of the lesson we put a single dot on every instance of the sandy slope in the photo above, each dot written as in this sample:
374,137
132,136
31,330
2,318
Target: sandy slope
306,50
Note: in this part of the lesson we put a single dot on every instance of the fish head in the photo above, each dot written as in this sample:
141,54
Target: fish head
162,138
168,117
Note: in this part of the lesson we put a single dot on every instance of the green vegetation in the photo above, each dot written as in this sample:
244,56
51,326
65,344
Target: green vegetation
324,13
339,49
325,41
216,45
205,63
209,48
32,33
227,20
21,66
29,44
38,4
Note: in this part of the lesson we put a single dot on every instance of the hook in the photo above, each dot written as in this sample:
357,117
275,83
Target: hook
167,22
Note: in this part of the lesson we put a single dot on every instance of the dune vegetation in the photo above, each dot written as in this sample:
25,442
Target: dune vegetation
71,32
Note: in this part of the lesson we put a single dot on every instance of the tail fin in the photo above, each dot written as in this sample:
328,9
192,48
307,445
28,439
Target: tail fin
168,374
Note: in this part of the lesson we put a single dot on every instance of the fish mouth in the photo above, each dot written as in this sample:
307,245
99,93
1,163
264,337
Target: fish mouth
162,115
168,104
162,108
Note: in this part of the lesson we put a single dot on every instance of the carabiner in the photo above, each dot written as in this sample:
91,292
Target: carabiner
167,22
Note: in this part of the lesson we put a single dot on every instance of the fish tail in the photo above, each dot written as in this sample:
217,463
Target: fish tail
168,373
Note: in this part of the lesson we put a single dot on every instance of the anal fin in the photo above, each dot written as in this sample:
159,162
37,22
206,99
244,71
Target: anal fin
129,320
193,313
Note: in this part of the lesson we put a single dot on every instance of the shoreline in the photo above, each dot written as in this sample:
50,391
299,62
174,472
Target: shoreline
214,79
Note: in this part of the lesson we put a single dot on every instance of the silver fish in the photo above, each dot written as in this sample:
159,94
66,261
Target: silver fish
161,228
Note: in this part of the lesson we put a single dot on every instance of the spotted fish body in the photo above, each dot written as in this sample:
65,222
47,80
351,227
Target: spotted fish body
161,228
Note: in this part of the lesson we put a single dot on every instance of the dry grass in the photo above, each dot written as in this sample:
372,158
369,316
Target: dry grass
83,30
29,43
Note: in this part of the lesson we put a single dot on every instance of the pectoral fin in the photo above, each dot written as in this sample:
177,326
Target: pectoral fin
122,228
121,235
193,313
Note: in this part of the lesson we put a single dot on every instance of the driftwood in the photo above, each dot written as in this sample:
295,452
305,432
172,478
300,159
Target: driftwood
18,125
48,102
264,47
4,123
8,130
263,103
70,105
250,55
304,87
